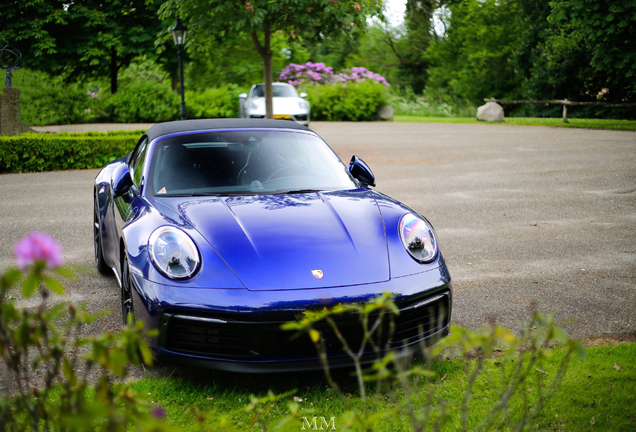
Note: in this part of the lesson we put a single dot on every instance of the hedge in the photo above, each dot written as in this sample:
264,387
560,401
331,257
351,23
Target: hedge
359,101
37,152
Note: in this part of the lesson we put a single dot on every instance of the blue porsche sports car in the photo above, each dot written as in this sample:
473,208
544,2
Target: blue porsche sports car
219,231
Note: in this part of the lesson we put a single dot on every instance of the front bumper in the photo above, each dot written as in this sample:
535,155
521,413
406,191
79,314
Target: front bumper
302,119
241,330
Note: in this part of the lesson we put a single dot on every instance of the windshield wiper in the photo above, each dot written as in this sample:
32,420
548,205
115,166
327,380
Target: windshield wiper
202,194
238,193
299,191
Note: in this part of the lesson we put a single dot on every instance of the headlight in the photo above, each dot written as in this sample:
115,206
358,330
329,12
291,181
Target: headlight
173,253
252,105
303,104
418,238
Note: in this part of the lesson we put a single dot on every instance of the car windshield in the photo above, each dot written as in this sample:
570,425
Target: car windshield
279,91
245,163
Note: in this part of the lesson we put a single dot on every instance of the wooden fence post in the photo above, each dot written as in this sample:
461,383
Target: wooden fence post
563,102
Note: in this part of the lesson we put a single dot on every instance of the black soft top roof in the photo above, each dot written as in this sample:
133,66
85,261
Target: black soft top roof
161,129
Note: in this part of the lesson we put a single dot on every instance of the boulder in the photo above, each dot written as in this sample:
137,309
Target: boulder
385,112
492,112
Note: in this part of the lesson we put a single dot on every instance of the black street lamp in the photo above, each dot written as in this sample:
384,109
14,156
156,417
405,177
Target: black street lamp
179,34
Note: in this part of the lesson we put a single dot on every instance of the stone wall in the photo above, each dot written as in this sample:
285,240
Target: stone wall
10,113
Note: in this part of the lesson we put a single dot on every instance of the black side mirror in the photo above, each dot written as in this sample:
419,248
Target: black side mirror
361,171
121,180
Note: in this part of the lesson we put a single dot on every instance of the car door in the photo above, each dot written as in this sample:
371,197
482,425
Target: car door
126,205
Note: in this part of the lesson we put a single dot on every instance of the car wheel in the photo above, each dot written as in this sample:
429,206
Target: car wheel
127,306
97,241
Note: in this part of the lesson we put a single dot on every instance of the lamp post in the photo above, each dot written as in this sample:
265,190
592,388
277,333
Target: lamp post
179,35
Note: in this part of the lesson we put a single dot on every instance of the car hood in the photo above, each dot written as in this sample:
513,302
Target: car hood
275,242
282,105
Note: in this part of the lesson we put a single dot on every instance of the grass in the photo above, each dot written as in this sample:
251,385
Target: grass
608,124
596,394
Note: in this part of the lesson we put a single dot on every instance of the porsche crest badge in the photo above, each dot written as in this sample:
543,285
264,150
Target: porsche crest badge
317,273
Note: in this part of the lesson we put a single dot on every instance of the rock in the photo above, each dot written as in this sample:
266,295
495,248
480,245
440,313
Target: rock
385,112
492,112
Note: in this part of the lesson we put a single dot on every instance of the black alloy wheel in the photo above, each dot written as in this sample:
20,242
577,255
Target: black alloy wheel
127,306
97,241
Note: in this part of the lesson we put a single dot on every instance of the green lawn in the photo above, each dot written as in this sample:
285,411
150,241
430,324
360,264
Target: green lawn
532,121
596,394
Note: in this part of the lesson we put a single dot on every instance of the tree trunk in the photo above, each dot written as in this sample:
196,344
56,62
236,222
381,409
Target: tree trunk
266,54
113,70
267,75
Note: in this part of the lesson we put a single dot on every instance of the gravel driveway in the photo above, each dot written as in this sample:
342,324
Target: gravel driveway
525,215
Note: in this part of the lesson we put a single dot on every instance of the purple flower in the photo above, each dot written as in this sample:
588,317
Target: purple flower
319,73
38,247
158,413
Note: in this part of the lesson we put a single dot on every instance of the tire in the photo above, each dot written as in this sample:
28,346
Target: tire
127,305
100,264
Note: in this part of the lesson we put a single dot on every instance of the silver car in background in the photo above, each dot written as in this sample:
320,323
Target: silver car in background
288,104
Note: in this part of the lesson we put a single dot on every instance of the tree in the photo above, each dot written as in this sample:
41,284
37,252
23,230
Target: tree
375,52
580,50
260,19
213,61
337,52
86,37
414,62
114,33
398,53
607,30
474,58
30,26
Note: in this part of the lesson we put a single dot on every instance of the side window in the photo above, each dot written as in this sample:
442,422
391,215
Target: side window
137,161
258,91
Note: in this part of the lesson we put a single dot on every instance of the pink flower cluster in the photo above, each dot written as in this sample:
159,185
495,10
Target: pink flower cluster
318,73
95,93
38,247
360,74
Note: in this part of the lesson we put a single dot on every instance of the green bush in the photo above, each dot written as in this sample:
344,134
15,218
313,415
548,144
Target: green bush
521,387
49,100
144,96
420,107
34,152
46,360
358,101
221,102
141,102
431,103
